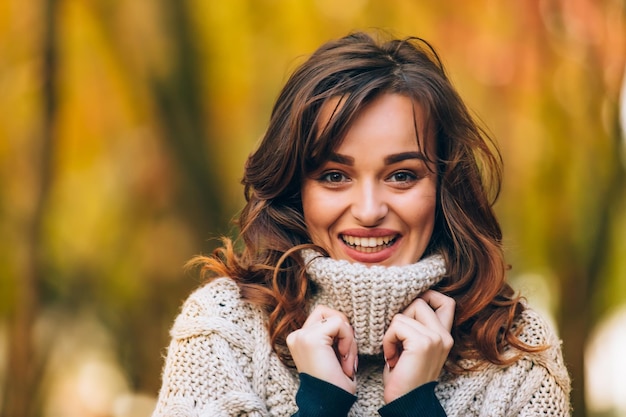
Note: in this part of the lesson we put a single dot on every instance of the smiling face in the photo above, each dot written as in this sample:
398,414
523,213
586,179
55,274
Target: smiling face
374,200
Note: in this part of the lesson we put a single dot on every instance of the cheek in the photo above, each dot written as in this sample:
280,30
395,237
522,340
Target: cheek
423,215
314,211
316,215
317,227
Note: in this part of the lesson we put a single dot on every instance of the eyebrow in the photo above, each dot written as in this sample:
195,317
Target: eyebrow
399,157
341,159
389,160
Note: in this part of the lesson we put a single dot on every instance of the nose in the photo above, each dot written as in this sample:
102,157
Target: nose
369,206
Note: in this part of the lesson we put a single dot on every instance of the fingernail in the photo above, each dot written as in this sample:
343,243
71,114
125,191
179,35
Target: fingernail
356,364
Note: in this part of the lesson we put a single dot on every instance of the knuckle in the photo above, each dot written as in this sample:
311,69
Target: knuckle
424,345
398,317
432,342
443,342
347,325
291,338
320,309
334,320
300,338
307,339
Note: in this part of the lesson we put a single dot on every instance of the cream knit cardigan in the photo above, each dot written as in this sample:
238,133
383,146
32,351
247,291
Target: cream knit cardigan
220,363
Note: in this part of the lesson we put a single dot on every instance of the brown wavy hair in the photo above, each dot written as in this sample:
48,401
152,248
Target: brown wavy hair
359,68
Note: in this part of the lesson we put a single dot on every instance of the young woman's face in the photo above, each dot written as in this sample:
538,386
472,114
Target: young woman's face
374,201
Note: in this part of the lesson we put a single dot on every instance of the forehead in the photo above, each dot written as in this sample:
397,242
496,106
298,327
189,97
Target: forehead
330,107
387,111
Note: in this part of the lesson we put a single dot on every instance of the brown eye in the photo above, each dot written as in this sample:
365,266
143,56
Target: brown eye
333,177
402,176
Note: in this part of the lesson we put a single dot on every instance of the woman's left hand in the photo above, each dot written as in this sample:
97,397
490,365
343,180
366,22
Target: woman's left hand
417,344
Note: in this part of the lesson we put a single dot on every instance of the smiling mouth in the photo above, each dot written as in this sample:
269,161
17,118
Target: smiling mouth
369,244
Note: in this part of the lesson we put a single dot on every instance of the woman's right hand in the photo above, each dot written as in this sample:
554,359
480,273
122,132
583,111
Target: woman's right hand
325,347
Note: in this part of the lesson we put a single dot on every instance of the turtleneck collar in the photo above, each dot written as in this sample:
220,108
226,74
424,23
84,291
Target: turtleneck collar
370,295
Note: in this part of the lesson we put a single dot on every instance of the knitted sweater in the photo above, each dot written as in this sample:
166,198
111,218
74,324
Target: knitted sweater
220,362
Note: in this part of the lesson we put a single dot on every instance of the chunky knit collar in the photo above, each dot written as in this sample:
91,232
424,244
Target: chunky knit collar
370,295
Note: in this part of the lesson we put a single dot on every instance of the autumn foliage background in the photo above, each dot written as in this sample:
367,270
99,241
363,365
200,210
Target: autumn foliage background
124,126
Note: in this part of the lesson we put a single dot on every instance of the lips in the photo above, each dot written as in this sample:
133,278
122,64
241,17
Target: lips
369,244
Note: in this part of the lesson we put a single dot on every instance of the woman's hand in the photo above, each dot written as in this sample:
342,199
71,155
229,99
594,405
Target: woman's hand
417,344
325,348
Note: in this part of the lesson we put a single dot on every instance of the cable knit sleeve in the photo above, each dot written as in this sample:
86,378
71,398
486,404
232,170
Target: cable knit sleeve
548,379
537,384
208,368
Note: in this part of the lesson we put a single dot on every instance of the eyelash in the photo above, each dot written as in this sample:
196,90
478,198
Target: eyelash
326,177
409,176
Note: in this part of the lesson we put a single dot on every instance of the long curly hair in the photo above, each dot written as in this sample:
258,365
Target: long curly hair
358,68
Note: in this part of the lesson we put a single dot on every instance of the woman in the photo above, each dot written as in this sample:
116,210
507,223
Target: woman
371,278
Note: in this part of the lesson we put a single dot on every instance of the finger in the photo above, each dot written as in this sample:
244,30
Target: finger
420,311
423,314
335,326
407,334
392,348
313,353
443,306
321,313
399,330
346,348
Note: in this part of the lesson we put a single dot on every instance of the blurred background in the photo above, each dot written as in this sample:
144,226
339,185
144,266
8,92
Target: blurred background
124,126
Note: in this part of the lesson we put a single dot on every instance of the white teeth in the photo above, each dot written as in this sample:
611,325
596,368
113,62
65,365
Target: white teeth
368,244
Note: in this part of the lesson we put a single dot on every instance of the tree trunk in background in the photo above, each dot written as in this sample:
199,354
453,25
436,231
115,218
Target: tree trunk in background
22,396
574,325
183,114
579,286
608,197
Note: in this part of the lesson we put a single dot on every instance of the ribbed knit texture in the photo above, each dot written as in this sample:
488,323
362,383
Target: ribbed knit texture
370,296
219,362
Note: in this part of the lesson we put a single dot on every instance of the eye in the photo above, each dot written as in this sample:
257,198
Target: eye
402,176
333,177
